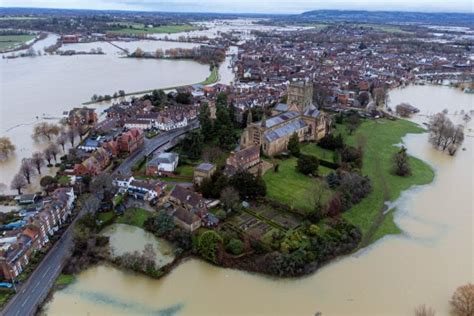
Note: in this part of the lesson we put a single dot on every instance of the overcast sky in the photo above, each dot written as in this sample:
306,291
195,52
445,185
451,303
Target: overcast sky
249,6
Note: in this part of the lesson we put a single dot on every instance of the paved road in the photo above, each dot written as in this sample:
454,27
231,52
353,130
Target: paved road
35,289
160,142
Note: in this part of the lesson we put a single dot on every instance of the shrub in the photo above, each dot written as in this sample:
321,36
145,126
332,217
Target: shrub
331,142
235,246
307,164
352,156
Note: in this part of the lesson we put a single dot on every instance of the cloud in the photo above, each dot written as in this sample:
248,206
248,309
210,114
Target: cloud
249,6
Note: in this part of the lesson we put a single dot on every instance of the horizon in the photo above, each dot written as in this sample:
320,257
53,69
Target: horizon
271,7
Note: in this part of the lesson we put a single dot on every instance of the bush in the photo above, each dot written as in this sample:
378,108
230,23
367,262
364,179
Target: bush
307,164
352,156
235,246
331,142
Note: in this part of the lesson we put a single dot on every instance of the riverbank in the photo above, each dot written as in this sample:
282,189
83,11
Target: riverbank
211,79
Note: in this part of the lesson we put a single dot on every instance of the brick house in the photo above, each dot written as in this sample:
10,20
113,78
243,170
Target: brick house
131,140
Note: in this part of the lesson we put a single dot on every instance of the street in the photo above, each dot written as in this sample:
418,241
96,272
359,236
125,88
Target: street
36,288
152,145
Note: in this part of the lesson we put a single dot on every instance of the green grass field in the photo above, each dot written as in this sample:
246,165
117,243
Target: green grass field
381,136
213,77
134,216
12,41
292,187
138,29
64,279
185,170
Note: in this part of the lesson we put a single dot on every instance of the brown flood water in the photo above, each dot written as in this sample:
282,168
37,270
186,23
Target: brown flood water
35,89
424,264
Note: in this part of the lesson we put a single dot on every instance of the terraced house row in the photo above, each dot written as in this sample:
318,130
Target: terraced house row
20,240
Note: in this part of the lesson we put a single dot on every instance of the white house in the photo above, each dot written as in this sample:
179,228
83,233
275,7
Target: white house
164,162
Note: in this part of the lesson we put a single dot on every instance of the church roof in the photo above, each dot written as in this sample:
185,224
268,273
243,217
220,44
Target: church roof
280,118
312,111
284,130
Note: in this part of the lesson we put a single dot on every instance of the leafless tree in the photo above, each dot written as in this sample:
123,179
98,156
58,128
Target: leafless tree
462,301
54,151
38,160
380,96
89,203
27,169
443,133
48,155
62,139
230,198
45,130
101,184
149,256
18,183
71,134
424,310
6,148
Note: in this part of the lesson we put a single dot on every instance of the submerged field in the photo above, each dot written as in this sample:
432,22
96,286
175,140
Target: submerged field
12,41
139,29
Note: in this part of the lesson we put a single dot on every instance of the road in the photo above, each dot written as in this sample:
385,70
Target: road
160,142
36,288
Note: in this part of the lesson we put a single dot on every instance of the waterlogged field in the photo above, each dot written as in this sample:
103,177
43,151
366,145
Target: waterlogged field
140,29
12,41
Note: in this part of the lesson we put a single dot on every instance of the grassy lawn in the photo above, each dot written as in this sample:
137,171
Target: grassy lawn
385,28
11,41
64,279
5,295
289,186
64,180
213,77
185,170
315,150
380,136
134,216
106,216
137,29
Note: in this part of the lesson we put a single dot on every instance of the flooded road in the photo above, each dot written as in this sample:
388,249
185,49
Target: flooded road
423,265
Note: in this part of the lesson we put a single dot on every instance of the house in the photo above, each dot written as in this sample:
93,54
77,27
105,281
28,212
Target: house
186,219
162,164
94,164
38,223
140,189
242,160
203,171
131,140
82,116
189,200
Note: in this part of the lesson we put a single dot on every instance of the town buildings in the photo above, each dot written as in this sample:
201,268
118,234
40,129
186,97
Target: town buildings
203,171
18,243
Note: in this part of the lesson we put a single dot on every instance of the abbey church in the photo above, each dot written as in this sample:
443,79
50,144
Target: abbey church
298,116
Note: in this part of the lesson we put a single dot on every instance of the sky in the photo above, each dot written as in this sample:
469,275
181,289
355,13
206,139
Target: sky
249,6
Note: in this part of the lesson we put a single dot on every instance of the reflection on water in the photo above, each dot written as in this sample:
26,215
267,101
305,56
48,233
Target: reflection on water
423,265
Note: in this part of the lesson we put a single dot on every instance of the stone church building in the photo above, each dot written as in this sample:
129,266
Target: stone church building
298,116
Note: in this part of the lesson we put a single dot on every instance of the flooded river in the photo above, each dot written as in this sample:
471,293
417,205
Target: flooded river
423,265
33,89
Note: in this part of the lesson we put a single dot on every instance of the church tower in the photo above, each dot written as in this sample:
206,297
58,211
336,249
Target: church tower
300,95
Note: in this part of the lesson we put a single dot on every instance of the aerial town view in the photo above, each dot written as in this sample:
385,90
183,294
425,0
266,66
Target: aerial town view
246,157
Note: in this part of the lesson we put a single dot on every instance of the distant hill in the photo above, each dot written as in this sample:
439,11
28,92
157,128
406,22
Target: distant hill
458,19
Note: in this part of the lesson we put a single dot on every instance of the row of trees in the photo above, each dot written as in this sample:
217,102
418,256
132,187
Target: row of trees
107,97
57,138
444,134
